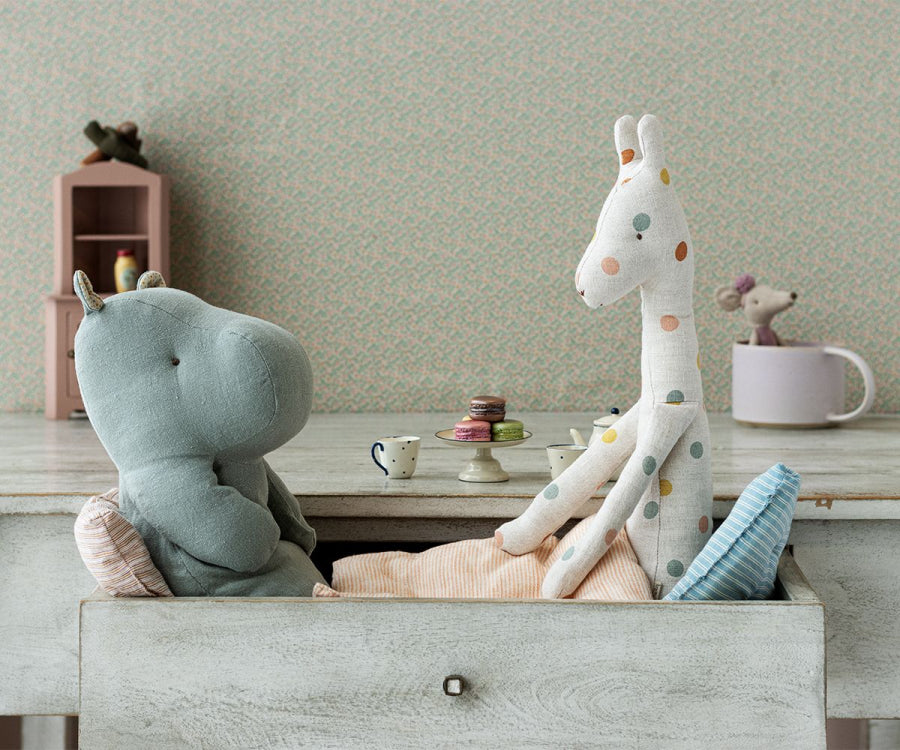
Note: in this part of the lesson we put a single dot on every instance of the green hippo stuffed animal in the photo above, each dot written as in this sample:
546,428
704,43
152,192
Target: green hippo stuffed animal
187,398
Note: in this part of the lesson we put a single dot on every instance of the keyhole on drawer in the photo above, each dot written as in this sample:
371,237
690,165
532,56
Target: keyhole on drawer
454,684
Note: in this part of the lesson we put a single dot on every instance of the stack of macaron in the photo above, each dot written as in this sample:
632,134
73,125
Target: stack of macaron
486,421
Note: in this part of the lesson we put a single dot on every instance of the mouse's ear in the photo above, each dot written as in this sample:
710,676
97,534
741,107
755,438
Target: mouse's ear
150,279
85,291
728,298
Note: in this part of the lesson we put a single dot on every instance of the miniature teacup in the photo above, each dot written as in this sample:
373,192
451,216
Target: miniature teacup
562,456
800,385
398,455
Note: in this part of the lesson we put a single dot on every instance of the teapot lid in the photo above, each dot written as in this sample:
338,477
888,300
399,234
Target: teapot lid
609,419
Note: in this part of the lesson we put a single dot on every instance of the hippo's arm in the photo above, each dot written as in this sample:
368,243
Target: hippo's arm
214,523
287,513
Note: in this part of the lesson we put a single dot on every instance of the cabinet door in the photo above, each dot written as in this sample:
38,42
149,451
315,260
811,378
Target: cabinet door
72,321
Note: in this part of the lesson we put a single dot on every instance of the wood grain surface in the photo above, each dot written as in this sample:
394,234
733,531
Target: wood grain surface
847,472
369,673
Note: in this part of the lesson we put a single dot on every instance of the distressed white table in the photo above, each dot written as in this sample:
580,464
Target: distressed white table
845,535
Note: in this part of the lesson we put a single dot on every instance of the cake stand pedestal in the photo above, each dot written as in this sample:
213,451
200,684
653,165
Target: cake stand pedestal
482,467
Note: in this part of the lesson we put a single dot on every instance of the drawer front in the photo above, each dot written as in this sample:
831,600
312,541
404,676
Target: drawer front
371,673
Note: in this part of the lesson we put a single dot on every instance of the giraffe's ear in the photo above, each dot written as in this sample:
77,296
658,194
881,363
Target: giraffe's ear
651,138
627,146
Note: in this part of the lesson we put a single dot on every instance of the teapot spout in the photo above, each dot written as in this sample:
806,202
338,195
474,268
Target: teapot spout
577,437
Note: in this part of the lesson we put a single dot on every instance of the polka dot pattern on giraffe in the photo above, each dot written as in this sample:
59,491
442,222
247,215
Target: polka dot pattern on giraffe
610,266
668,323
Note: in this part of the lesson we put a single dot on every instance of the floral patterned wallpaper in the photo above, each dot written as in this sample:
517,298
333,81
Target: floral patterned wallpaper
409,186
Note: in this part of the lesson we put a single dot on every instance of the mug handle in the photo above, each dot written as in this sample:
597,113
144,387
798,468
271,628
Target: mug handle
380,466
868,380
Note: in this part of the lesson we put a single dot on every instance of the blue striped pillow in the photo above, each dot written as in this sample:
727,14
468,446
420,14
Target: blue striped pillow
740,559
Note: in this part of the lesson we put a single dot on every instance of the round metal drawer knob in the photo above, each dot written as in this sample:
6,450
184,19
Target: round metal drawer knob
454,684
70,354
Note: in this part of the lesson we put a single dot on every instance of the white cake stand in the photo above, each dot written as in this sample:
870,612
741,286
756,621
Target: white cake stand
483,467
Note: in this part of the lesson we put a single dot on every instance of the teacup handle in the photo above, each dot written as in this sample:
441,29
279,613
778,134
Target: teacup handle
868,380
380,466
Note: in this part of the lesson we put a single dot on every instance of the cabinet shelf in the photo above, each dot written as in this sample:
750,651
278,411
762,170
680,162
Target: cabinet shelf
111,237
98,210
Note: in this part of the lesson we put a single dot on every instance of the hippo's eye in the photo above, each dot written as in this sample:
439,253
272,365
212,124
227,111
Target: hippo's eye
176,361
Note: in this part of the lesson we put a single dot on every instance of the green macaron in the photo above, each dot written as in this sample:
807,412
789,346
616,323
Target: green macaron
508,429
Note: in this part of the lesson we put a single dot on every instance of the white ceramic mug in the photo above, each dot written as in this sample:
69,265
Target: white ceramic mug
800,385
562,456
398,455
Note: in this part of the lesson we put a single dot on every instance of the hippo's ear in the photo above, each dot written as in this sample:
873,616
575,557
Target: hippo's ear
90,299
150,279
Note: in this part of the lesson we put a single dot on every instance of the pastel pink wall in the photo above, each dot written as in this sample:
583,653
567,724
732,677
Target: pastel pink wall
409,187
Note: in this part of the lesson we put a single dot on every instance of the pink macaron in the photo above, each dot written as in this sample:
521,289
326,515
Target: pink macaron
472,429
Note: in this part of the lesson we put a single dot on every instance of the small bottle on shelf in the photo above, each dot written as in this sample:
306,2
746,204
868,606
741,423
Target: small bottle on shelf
125,271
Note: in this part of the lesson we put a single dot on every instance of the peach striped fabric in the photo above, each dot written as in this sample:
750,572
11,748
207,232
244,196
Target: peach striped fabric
478,568
114,552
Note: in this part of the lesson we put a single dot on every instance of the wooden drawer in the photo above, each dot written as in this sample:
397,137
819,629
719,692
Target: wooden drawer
341,673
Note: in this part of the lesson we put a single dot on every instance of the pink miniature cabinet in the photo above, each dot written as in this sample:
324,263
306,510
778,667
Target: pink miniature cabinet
98,210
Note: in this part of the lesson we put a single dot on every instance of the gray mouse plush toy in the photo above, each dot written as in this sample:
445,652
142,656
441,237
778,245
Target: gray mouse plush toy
760,303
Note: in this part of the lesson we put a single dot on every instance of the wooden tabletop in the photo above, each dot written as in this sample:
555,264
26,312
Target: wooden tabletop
847,472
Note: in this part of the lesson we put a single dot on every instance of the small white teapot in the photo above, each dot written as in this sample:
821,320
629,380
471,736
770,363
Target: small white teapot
601,425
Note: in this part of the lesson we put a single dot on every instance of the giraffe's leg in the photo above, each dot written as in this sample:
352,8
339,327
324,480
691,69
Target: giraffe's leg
668,530
570,490
665,424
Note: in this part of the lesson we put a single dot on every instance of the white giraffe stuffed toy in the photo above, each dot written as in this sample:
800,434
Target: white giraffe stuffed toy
664,495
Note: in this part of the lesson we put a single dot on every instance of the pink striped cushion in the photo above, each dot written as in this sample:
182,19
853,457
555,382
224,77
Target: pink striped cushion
478,568
114,552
